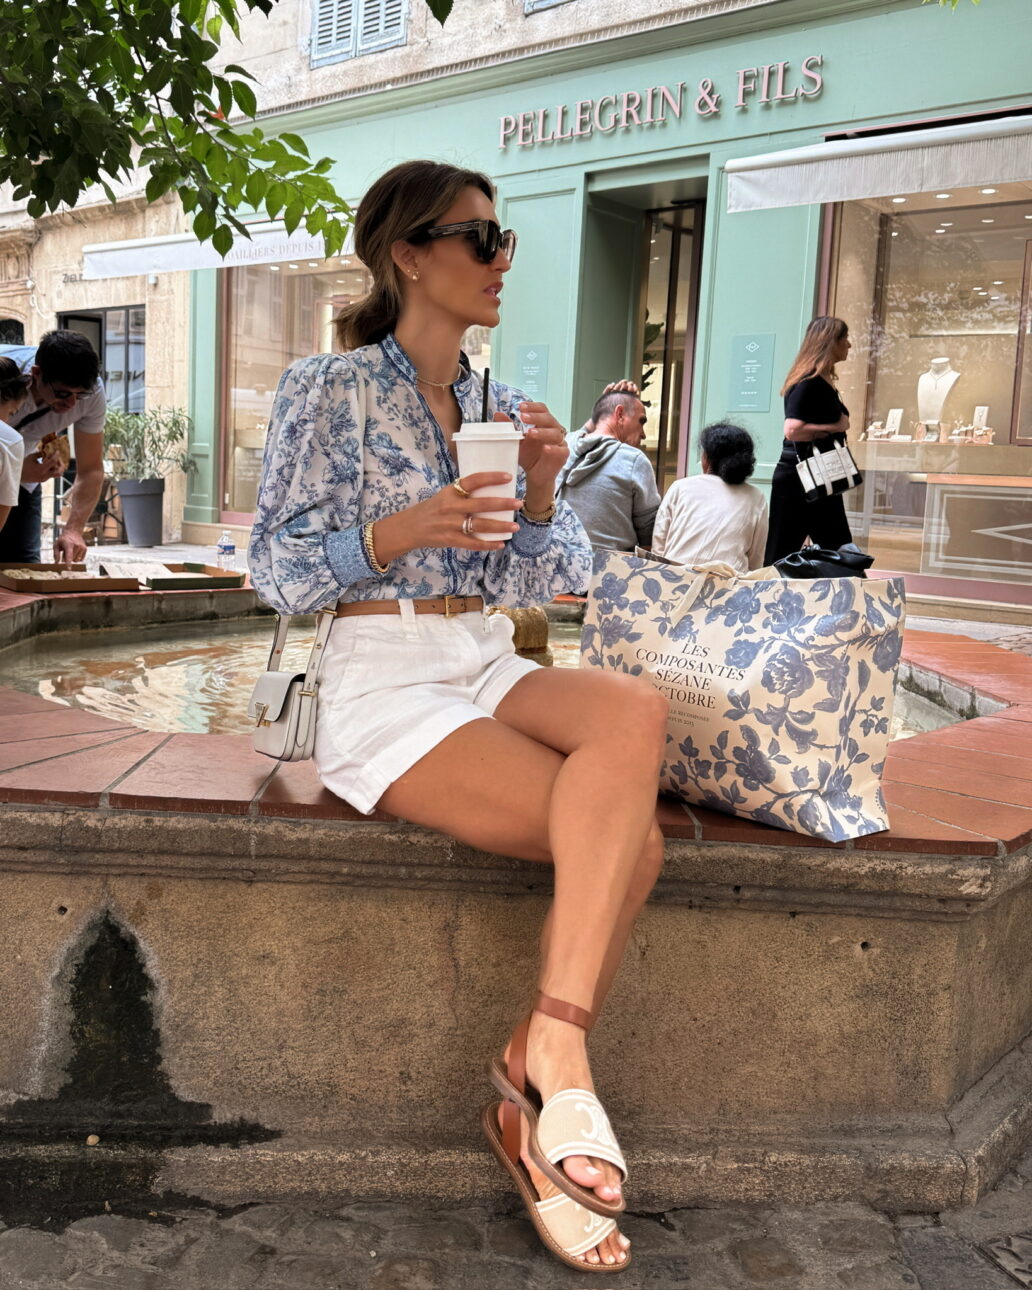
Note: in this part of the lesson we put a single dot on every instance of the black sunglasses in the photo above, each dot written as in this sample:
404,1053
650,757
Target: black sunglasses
77,395
484,235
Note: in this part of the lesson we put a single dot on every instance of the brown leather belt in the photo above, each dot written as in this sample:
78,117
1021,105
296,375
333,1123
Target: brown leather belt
447,605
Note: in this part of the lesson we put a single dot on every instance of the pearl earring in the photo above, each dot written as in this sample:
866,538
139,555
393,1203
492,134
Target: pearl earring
415,277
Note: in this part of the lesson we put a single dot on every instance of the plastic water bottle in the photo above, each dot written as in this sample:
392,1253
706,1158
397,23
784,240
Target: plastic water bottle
225,551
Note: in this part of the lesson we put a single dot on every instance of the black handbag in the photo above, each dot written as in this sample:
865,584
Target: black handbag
822,562
826,467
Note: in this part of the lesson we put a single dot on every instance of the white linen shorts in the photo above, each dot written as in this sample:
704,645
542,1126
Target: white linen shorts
393,686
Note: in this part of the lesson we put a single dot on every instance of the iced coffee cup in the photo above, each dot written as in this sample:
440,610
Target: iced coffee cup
489,446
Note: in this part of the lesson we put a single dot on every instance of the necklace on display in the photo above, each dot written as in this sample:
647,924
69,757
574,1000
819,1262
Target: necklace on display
938,376
440,385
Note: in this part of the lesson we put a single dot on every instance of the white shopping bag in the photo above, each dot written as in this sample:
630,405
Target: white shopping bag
780,692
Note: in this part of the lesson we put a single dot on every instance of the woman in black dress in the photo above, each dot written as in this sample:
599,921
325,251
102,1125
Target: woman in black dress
813,410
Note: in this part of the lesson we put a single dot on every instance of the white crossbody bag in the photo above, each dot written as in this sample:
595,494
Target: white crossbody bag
283,704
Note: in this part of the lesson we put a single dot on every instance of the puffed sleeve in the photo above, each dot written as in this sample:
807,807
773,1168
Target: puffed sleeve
541,561
306,544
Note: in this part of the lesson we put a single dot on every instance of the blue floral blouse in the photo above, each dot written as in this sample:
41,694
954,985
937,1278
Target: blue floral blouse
351,439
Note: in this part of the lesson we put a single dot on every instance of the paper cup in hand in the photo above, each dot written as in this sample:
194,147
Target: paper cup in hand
489,446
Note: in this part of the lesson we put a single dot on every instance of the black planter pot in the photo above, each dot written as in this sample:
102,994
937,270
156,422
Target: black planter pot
141,509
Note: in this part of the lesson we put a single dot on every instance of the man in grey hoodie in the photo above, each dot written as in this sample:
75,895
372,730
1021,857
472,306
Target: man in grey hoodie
607,479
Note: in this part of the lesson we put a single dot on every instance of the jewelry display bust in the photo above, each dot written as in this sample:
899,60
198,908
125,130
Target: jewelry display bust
932,388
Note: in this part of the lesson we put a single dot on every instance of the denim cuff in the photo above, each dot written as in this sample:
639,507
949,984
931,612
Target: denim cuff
531,539
346,555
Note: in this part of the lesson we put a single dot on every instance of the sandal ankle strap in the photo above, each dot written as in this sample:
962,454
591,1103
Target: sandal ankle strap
562,1011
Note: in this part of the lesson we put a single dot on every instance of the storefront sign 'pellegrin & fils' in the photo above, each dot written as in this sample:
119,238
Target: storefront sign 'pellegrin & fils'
633,109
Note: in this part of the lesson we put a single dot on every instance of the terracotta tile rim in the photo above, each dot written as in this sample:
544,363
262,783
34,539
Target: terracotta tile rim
931,652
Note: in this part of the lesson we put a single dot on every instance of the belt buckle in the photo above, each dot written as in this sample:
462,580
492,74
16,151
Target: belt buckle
453,613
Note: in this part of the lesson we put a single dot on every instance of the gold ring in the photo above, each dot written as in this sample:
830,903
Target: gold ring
459,489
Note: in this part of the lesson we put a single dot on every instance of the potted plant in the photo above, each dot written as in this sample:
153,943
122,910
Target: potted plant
142,449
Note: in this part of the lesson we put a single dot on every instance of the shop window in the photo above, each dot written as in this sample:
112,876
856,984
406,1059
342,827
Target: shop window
275,314
937,290
532,6
118,336
348,28
12,332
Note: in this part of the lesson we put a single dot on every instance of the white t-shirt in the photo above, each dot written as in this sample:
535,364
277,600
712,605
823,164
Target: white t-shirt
702,520
12,450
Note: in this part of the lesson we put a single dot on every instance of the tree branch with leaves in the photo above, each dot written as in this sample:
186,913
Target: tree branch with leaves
97,90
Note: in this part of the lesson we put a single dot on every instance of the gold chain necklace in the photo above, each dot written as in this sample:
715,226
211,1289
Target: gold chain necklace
440,385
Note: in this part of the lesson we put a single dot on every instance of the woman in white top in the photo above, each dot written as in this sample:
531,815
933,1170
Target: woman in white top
715,516
12,445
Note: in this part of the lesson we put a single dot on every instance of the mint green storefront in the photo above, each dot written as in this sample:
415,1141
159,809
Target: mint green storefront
607,156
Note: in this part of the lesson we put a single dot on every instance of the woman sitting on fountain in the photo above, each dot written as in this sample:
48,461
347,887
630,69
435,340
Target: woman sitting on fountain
425,711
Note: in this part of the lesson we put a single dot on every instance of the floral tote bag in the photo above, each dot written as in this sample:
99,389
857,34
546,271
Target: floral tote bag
780,691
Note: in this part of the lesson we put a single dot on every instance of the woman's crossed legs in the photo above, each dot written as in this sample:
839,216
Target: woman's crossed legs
566,771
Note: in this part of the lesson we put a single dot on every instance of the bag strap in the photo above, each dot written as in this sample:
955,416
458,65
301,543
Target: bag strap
717,569
325,620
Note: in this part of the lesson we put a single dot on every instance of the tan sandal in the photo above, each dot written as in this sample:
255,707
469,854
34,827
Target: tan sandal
571,1123
566,1229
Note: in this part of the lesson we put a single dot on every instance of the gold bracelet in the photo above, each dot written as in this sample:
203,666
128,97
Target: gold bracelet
540,517
370,549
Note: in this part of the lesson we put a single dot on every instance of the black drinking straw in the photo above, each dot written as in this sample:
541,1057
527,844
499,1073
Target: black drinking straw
487,386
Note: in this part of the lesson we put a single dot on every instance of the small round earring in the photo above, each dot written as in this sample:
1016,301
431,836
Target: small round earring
415,277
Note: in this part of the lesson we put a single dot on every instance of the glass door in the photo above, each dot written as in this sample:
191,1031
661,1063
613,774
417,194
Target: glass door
672,249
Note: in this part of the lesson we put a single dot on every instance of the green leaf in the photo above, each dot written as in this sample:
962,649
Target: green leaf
440,9
256,187
157,185
245,97
294,214
203,225
222,239
296,142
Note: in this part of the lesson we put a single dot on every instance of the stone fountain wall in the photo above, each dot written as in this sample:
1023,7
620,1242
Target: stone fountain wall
799,1023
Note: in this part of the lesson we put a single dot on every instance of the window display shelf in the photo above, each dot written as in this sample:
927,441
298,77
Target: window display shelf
946,335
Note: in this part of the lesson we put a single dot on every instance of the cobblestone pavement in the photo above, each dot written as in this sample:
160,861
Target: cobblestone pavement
372,1246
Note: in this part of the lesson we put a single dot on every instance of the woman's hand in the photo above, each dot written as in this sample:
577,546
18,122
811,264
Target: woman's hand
438,521
542,453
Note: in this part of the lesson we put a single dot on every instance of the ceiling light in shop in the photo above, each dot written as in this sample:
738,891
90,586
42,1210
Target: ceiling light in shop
996,297
940,230
274,268
943,197
988,221
998,284
947,223
340,279
313,264
293,266
987,192
899,200
895,235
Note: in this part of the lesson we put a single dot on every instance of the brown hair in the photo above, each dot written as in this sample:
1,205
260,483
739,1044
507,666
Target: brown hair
12,383
815,355
397,208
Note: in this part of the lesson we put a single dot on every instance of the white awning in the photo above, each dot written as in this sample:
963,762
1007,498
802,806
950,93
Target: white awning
886,165
269,243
